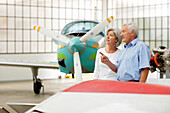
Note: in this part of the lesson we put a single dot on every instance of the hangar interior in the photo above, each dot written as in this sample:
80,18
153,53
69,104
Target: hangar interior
19,42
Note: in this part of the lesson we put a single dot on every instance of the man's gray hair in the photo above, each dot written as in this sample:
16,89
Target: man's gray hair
117,35
133,26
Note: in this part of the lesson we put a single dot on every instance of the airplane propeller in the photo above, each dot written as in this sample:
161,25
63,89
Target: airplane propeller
76,44
52,34
97,29
77,67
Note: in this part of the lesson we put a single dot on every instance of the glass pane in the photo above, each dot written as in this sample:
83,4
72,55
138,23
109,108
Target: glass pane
11,11
27,23
19,35
26,46
3,35
140,11
141,35
3,46
130,12
48,46
41,47
146,11
152,45
152,21
147,23
158,22
62,13
34,47
164,10
11,23
3,10
55,3
119,3
54,47
41,22
110,4
55,24
11,47
19,11
81,14
146,34
141,23
34,36
152,11
152,35
164,35
164,43
26,11
158,43
11,35
119,23
124,13
165,22
48,2
135,2
158,34
55,13
75,5
34,12
19,47
26,35
158,10
40,12
62,3
119,14
68,13
48,13
48,23
135,12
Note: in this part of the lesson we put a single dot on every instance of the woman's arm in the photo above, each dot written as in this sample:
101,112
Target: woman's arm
105,60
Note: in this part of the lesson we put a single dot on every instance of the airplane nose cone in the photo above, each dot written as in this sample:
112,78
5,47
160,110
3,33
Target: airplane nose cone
76,45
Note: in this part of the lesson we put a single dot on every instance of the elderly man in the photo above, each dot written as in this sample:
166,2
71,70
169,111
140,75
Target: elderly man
133,61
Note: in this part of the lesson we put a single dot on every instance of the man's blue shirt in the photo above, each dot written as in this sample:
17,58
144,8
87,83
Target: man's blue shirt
132,59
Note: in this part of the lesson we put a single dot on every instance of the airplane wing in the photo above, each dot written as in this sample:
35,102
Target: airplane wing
34,67
102,96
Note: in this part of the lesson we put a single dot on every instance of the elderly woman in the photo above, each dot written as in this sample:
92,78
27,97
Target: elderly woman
113,40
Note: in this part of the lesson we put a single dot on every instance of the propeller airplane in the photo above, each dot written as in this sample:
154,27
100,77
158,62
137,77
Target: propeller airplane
79,42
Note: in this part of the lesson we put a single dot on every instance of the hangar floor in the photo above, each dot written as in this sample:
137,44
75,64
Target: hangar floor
22,91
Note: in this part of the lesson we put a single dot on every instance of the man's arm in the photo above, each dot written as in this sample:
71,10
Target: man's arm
105,60
144,75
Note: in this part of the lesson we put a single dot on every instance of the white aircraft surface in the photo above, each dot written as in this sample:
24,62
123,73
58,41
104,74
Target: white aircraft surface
101,96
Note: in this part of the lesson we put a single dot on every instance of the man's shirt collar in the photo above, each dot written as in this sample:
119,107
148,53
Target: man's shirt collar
132,43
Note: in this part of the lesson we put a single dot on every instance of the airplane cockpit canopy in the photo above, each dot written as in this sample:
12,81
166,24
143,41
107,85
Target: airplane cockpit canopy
79,28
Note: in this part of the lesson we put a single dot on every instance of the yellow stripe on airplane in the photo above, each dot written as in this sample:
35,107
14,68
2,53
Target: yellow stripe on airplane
38,29
60,46
34,27
95,46
108,20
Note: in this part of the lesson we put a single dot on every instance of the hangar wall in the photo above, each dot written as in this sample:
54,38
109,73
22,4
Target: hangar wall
17,18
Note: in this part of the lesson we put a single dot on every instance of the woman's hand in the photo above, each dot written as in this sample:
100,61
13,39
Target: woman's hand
104,59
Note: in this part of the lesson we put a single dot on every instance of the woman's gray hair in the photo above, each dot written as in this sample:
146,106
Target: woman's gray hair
132,26
117,35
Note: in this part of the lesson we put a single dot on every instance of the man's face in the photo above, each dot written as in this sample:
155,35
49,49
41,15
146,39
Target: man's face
126,35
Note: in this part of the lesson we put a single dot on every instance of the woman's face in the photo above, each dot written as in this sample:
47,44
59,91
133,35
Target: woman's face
111,38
